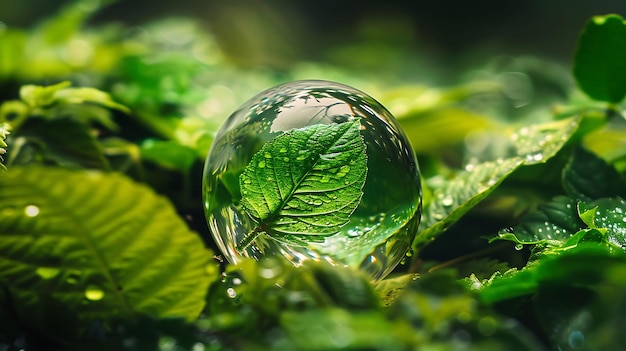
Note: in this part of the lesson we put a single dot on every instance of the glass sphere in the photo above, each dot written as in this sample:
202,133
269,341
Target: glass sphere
313,170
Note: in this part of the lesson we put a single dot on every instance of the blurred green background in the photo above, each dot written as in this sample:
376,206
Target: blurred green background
454,34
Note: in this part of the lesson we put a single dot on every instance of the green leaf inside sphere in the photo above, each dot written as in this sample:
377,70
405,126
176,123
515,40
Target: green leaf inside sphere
304,185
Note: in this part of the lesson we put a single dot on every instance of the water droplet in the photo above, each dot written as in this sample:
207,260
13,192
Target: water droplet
353,232
534,157
447,201
283,150
47,272
519,246
94,293
325,179
317,202
31,211
247,181
231,293
261,164
267,155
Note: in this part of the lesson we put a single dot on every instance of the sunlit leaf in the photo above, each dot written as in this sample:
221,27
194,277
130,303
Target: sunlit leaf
41,96
168,154
97,245
304,184
89,95
537,143
456,197
600,59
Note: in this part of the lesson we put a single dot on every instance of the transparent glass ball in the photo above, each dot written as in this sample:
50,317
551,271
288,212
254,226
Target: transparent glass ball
274,179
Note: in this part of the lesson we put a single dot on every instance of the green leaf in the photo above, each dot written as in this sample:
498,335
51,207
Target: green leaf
169,154
581,266
608,214
600,58
454,198
62,141
554,222
41,96
587,177
88,95
4,131
537,143
98,246
304,184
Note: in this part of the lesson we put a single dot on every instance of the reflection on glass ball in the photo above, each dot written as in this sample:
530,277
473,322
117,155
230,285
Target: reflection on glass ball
313,170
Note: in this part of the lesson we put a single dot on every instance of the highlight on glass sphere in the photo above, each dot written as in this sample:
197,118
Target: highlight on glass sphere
313,170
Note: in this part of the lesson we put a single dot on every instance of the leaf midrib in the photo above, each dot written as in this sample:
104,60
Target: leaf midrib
272,217
85,238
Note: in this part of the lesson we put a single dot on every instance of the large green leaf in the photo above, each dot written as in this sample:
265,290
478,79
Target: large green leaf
304,184
96,245
456,197
537,143
600,59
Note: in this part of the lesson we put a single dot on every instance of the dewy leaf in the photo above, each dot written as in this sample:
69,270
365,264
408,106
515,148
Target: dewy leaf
304,185
99,245
537,143
455,197
555,221
600,58
587,177
608,214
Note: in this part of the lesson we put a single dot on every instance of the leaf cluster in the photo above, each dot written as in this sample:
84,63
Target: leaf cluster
521,245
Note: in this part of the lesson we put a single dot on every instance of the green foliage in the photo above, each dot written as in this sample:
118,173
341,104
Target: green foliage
600,60
4,130
94,247
587,177
303,185
521,245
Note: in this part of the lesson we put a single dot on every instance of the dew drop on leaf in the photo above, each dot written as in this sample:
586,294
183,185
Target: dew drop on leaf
447,201
31,211
94,293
